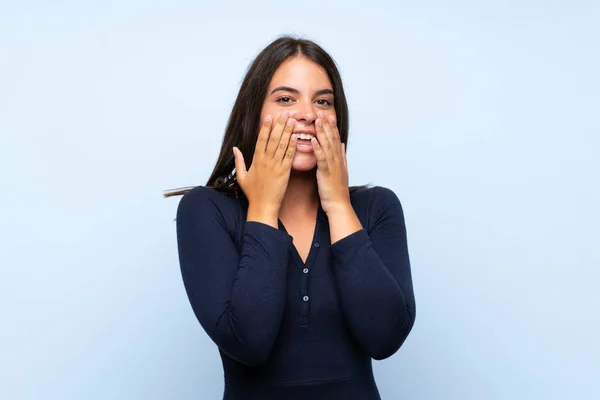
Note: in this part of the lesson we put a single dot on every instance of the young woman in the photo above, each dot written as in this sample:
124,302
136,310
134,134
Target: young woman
300,280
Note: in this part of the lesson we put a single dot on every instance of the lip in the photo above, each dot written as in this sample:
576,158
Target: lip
305,131
304,147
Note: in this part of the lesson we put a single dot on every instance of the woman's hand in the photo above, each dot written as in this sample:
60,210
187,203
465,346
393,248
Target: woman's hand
266,182
332,167
332,180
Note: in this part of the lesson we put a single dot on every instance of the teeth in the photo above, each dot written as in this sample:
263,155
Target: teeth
305,136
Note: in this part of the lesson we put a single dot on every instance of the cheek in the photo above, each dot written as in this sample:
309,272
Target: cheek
263,114
268,110
331,114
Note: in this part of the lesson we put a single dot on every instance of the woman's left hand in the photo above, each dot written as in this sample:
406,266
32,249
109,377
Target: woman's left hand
332,167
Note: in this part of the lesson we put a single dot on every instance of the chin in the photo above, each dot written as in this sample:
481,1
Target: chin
304,162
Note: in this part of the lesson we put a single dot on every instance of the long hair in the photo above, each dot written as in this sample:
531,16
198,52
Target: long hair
244,121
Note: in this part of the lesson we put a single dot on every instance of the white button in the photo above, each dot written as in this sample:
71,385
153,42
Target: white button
305,298
305,270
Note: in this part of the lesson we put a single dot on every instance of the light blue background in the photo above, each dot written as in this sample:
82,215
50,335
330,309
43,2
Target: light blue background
482,116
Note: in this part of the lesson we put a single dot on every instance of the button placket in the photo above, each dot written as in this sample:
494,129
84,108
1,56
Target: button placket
320,230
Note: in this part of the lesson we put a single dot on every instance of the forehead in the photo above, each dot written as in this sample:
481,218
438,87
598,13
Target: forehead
302,74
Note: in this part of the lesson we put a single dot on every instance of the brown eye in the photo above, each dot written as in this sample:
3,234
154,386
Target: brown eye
284,99
323,102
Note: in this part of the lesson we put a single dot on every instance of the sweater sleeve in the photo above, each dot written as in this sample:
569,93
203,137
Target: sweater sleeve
373,275
238,298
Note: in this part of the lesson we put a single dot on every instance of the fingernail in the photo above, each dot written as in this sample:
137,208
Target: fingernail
321,114
332,120
285,114
294,136
291,121
268,118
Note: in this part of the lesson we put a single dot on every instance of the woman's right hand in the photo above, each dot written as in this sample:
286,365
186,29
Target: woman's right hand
266,182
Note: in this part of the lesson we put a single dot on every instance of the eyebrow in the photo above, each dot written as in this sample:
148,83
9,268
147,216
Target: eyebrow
296,91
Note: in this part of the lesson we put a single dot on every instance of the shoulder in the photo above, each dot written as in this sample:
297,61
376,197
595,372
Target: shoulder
206,201
374,202
374,197
201,196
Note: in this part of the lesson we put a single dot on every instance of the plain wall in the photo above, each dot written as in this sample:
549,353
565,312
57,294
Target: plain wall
483,117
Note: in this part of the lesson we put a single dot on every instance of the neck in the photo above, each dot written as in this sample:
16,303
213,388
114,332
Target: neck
302,195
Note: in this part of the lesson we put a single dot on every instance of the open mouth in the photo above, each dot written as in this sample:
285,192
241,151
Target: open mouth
303,144
305,136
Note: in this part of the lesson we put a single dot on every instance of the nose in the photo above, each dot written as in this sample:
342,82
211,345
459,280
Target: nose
305,113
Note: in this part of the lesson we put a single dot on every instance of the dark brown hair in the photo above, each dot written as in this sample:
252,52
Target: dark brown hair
244,121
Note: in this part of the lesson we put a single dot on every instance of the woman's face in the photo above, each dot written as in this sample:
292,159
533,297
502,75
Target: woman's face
302,88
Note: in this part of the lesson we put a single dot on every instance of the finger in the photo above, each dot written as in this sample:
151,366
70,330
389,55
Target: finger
275,136
333,137
324,143
290,152
319,154
285,139
263,137
344,156
336,135
240,165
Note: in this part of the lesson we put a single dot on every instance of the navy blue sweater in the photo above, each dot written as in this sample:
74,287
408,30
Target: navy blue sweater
292,330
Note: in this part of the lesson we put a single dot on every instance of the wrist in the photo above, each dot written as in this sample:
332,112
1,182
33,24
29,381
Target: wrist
268,215
343,221
339,209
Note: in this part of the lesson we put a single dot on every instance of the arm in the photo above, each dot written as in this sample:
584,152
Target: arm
238,298
373,275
